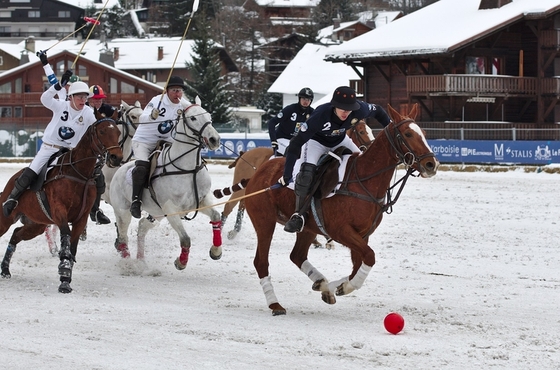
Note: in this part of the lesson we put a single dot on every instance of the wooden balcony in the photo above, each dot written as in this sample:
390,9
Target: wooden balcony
472,85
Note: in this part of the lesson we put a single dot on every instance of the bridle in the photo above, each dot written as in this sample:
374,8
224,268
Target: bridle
363,143
397,141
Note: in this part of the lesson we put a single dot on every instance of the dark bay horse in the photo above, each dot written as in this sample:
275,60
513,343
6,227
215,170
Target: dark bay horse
248,162
65,198
350,216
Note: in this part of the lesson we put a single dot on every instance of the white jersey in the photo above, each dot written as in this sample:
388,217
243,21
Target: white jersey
150,131
67,125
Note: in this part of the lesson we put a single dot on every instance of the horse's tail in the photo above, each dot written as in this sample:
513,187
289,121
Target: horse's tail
220,193
236,160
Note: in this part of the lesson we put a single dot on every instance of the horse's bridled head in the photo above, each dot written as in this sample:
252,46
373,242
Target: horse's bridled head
424,160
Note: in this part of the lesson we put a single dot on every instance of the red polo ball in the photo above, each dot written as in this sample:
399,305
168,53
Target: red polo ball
394,323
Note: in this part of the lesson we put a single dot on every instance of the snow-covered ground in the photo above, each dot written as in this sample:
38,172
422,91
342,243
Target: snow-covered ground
470,260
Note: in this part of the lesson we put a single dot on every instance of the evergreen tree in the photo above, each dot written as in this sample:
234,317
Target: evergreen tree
271,103
207,83
327,10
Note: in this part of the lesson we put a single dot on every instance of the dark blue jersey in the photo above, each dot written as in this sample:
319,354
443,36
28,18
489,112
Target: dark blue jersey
326,128
287,122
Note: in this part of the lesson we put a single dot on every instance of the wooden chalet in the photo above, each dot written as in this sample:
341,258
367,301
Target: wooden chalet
471,64
21,88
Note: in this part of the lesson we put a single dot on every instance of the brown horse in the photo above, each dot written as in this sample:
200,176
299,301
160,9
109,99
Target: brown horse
66,197
350,216
248,162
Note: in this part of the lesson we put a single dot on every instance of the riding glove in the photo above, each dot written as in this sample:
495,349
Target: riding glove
283,181
65,77
43,56
154,114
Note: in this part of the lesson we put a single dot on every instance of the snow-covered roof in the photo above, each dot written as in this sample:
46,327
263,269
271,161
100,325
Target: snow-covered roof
308,68
133,53
381,19
438,28
89,3
287,3
105,66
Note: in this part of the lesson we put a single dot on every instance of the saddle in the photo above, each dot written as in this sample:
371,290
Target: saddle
160,146
326,174
40,181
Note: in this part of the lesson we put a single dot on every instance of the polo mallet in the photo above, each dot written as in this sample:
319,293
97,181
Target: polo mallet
89,34
194,9
87,19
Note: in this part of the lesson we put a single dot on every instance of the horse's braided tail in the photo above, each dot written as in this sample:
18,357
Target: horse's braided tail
220,193
236,160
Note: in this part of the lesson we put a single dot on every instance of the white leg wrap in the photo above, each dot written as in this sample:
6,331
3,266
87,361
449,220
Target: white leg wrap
311,272
361,276
268,290
335,284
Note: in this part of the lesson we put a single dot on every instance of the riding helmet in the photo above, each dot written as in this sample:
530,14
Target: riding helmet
73,79
176,81
307,93
344,98
96,92
79,88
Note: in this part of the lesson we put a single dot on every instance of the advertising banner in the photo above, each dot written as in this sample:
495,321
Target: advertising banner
446,151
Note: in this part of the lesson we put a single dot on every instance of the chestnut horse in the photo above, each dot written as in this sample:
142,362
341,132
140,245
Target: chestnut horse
248,162
127,119
66,197
350,216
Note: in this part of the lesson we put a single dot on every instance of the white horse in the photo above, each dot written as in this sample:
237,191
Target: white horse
129,119
179,185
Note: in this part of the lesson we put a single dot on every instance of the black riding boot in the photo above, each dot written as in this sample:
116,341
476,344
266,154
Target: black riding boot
97,215
22,183
139,179
304,180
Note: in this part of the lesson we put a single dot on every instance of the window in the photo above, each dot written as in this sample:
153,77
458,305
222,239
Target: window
126,88
18,112
64,14
34,14
475,65
6,88
5,112
5,14
1,60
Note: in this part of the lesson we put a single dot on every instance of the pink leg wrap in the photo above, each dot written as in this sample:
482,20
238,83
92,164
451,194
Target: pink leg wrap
184,257
123,250
217,231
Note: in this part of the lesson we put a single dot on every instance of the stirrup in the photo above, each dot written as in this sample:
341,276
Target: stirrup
136,208
295,224
8,206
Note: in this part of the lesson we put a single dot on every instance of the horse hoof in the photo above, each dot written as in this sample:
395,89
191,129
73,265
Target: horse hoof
6,274
328,297
179,266
83,235
277,309
329,245
65,287
231,234
215,253
317,285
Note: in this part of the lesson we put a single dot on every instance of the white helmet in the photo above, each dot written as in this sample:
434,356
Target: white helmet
79,87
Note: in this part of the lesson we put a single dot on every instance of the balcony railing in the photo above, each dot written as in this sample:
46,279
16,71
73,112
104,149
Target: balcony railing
469,85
